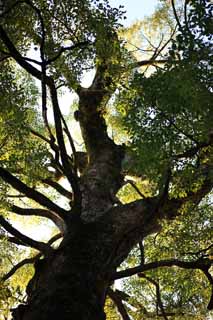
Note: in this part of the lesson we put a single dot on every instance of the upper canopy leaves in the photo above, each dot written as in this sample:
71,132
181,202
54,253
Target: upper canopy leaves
169,114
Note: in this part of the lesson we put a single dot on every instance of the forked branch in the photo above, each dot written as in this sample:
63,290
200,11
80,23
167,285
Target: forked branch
158,294
40,246
28,260
31,193
56,219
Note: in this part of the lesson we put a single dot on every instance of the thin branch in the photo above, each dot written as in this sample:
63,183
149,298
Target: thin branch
71,176
57,220
126,297
165,44
141,247
118,302
17,56
28,260
158,294
31,193
71,142
192,151
43,72
58,188
157,49
69,48
172,123
197,264
19,265
136,188
197,253
147,63
5,58
50,141
40,246
176,16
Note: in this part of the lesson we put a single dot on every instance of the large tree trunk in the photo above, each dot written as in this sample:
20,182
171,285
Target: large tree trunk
72,283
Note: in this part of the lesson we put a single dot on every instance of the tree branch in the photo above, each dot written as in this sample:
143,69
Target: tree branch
69,48
197,264
71,176
118,302
28,260
192,151
126,297
136,188
17,56
158,294
57,220
40,246
51,142
31,193
13,240
58,188
210,279
149,62
19,265
176,16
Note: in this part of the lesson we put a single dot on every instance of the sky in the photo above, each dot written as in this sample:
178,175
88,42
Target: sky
135,9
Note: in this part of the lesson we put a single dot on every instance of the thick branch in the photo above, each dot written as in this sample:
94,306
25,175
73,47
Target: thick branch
59,222
68,170
31,193
40,246
200,264
58,188
17,56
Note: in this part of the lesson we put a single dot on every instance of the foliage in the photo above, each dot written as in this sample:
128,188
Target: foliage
168,116
186,238
164,118
155,108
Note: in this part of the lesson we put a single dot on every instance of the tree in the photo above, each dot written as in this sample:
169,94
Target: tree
173,159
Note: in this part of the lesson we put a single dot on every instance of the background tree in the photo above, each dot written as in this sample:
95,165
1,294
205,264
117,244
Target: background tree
169,158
